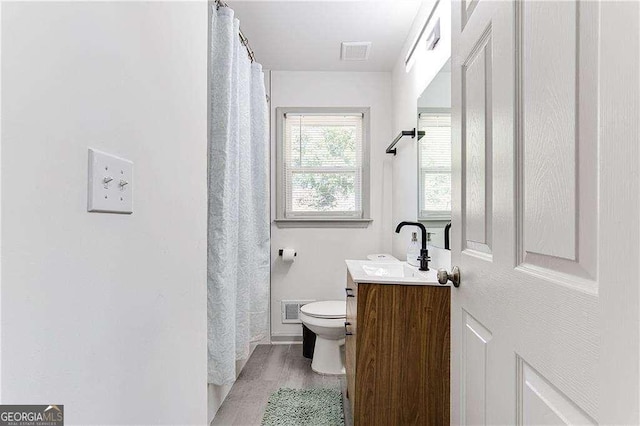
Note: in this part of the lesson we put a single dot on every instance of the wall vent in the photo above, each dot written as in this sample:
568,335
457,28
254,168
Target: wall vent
355,50
291,310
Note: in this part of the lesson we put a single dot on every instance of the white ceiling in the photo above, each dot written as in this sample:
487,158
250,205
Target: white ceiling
306,35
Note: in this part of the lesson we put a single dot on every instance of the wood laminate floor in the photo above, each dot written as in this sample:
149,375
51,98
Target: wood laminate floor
270,368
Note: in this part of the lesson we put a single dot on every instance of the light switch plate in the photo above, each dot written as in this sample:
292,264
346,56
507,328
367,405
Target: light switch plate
110,183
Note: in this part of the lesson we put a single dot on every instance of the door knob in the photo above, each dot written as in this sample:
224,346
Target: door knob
454,276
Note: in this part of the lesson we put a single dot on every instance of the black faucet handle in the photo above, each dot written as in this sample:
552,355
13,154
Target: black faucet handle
424,259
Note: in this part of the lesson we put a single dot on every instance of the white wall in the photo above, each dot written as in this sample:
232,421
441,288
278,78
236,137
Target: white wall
406,88
319,272
438,93
103,313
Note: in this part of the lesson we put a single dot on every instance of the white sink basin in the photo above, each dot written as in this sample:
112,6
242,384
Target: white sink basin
398,269
367,271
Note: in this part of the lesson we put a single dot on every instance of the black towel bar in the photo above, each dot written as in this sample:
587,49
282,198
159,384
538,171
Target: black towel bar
412,133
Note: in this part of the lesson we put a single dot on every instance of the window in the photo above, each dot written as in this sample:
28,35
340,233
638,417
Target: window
323,173
434,164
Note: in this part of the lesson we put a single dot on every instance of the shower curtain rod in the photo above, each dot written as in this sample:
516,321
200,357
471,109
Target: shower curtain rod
243,39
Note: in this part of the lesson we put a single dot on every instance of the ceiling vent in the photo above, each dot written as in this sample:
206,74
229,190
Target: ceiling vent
355,50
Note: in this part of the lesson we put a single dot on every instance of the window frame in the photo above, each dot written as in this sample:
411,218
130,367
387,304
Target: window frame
322,219
429,216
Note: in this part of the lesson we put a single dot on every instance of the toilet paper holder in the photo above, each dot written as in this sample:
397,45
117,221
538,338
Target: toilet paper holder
281,250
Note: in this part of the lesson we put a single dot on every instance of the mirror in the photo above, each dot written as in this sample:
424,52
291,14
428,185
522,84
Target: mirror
434,157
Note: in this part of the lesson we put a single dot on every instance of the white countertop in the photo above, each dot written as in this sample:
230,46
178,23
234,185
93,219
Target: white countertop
367,271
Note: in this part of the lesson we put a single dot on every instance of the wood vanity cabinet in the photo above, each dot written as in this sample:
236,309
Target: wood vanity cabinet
397,353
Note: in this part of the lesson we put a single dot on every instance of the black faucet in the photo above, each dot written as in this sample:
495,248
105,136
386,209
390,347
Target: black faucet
447,240
424,253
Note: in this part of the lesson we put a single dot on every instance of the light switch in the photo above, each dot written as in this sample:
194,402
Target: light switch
110,183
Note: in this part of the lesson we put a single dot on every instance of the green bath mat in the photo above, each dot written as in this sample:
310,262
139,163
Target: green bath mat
303,407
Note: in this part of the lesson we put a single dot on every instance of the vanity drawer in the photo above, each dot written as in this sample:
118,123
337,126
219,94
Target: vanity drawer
351,324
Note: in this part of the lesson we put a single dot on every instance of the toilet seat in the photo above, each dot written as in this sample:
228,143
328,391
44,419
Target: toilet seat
328,309
333,323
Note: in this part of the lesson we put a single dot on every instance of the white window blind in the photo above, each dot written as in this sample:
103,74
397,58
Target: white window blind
322,161
435,166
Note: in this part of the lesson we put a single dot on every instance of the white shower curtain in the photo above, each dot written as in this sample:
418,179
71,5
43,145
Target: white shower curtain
238,236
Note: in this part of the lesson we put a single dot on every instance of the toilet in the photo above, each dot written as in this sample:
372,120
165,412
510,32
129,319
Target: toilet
326,320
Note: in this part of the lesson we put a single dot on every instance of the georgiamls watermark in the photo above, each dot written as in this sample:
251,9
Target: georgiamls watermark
31,415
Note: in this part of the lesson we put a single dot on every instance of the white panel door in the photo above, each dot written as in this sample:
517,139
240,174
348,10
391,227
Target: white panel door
545,98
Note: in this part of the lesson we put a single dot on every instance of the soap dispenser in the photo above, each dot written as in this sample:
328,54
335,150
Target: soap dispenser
413,251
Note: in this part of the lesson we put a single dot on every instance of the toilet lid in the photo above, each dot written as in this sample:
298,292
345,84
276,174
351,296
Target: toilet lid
325,309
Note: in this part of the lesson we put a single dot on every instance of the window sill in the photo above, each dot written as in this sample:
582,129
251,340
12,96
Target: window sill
322,223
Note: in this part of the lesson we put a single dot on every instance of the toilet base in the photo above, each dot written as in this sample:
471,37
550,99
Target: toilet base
327,357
